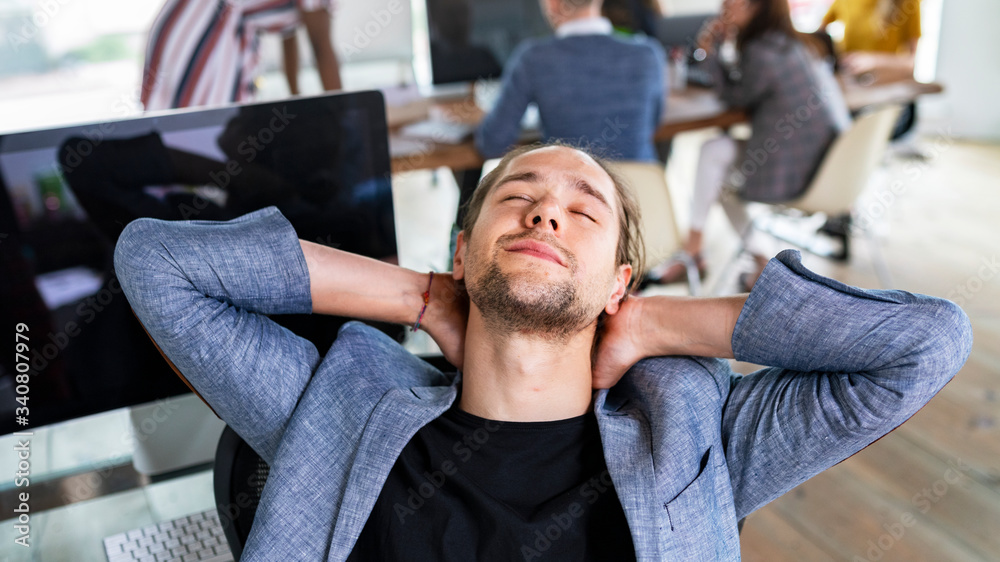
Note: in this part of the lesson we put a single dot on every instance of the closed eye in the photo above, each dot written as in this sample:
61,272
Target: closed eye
585,215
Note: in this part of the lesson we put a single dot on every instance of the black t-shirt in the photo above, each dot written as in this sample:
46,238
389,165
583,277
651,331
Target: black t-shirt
467,488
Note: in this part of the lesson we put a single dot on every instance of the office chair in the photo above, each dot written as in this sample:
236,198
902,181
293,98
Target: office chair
239,477
662,236
841,178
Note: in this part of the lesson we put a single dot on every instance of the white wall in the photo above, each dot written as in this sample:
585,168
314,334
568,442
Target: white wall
373,40
375,30
968,67
372,30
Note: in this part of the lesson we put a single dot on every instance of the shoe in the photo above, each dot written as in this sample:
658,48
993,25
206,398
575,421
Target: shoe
839,228
837,225
674,270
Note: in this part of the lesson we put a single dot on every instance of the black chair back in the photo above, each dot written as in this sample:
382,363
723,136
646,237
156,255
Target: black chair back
240,475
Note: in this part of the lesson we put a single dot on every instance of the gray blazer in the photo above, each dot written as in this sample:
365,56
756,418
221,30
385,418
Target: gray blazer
796,109
691,446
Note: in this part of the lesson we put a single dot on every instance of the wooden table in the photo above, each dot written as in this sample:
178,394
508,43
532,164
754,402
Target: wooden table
687,110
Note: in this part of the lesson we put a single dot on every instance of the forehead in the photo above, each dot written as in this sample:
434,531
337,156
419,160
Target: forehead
561,163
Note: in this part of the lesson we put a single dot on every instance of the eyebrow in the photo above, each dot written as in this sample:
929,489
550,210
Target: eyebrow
580,185
583,186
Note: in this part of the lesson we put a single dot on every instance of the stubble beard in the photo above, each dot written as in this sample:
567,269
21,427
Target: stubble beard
516,303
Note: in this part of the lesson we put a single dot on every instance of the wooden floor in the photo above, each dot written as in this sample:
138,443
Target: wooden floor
931,489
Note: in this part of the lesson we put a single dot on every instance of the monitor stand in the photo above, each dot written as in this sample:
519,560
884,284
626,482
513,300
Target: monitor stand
172,434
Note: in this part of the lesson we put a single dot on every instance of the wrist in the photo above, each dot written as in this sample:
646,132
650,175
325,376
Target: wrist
413,308
658,326
696,326
443,300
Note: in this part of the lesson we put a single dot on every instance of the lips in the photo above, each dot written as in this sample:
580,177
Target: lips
537,249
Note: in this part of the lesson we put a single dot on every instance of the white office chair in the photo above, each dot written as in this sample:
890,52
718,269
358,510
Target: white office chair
662,237
849,162
844,174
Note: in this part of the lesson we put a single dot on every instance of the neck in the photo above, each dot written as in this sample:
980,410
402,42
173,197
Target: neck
525,376
586,12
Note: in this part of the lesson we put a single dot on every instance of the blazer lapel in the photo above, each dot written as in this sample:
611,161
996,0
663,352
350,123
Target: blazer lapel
627,443
396,418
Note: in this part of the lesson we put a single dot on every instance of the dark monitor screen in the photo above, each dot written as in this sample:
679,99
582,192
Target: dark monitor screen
67,194
472,39
681,31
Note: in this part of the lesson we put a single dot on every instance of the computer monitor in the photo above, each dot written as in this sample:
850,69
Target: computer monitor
681,31
67,194
473,39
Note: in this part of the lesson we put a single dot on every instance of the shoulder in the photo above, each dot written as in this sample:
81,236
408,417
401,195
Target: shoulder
664,380
531,48
370,357
527,54
615,41
627,51
649,47
771,45
634,45
777,51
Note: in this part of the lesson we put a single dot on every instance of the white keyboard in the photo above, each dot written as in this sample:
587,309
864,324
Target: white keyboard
443,132
196,537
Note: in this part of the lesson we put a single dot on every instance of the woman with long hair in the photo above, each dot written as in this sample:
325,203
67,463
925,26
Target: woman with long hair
763,65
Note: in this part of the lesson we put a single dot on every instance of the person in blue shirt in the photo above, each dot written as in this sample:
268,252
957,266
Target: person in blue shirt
582,424
593,88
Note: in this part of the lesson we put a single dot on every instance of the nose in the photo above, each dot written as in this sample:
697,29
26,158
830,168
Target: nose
545,214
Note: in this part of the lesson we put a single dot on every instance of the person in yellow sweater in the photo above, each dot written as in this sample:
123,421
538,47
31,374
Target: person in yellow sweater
879,44
880,37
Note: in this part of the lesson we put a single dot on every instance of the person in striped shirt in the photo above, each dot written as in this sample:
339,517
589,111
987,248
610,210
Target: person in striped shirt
207,53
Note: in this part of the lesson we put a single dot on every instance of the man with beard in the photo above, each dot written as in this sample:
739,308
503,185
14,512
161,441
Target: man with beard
582,425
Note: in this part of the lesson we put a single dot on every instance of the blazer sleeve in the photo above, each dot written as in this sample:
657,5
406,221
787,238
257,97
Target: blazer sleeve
847,366
202,290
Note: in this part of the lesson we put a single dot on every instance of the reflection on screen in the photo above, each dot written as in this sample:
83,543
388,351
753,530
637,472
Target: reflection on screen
68,194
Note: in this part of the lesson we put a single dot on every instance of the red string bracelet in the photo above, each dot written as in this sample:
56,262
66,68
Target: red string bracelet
427,299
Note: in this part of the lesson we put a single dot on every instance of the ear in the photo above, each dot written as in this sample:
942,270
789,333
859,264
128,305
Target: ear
553,12
458,260
621,285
